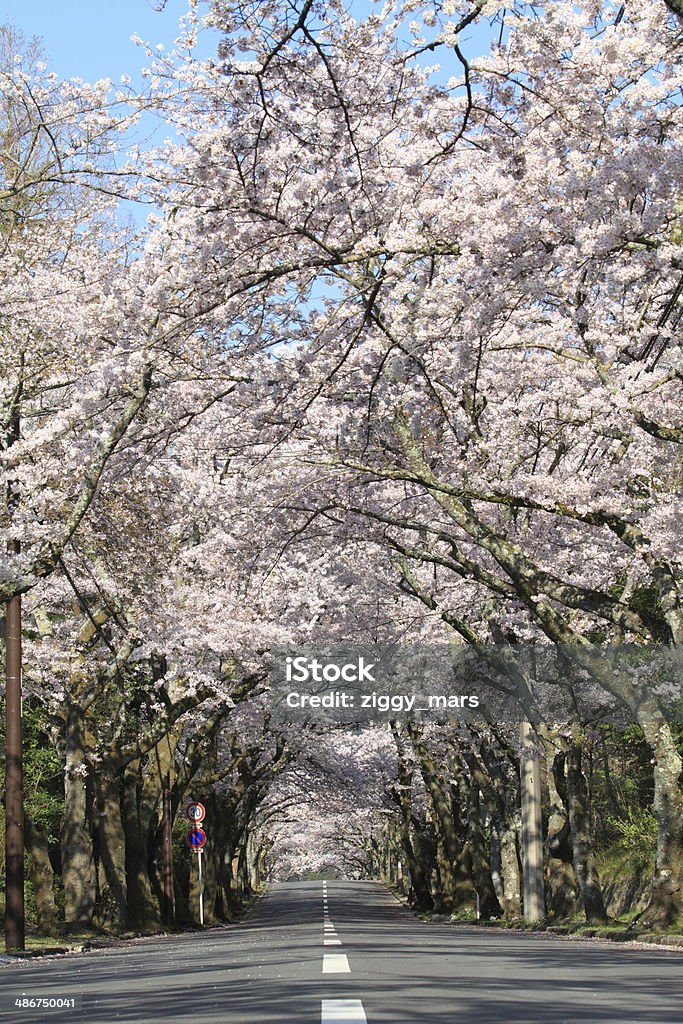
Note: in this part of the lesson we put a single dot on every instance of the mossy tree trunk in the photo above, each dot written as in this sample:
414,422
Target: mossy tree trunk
666,905
41,876
78,862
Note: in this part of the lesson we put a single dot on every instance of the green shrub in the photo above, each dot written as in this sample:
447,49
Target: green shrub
637,832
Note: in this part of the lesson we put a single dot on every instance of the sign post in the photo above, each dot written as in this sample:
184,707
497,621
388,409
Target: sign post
201,888
196,840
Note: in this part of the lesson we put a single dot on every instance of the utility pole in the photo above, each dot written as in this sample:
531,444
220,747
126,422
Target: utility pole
14,768
532,826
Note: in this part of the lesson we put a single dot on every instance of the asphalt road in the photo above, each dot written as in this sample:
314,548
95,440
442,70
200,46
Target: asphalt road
352,957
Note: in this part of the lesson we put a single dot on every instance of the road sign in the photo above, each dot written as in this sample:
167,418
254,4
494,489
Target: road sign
195,812
196,838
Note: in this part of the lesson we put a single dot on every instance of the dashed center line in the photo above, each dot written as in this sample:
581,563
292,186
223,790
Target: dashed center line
342,1011
336,963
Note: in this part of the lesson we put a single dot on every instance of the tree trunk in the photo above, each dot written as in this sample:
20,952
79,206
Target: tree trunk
78,865
112,903
502,801
488,901
418,885
511,869
141,905
666,904
448,850
533,882
418,888
582,841
41,876
160,770
562,887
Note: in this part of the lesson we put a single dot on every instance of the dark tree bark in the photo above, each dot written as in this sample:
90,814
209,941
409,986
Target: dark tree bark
78,863
419,892
111,911
41,875
562,887
502,802
142,907
582,842
481,870
452,867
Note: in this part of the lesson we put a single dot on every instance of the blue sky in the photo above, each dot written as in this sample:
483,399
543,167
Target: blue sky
90,39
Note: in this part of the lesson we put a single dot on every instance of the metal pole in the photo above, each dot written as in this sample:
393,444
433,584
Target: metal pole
167,852
532,827
201,888
14,769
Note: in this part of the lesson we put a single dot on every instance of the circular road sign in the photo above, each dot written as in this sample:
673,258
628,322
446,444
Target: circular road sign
196,838
195,812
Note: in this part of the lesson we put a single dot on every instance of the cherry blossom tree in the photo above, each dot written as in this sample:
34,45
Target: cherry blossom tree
395,357
474,291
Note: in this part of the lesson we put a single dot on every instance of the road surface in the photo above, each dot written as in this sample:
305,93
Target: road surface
347,953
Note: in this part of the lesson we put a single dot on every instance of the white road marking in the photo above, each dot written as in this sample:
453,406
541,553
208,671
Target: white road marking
342,1011
331,942
336,963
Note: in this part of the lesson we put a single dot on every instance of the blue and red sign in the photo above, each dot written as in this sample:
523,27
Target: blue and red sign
196,838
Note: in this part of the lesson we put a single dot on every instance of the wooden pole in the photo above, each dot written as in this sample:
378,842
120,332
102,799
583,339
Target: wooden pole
14,768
